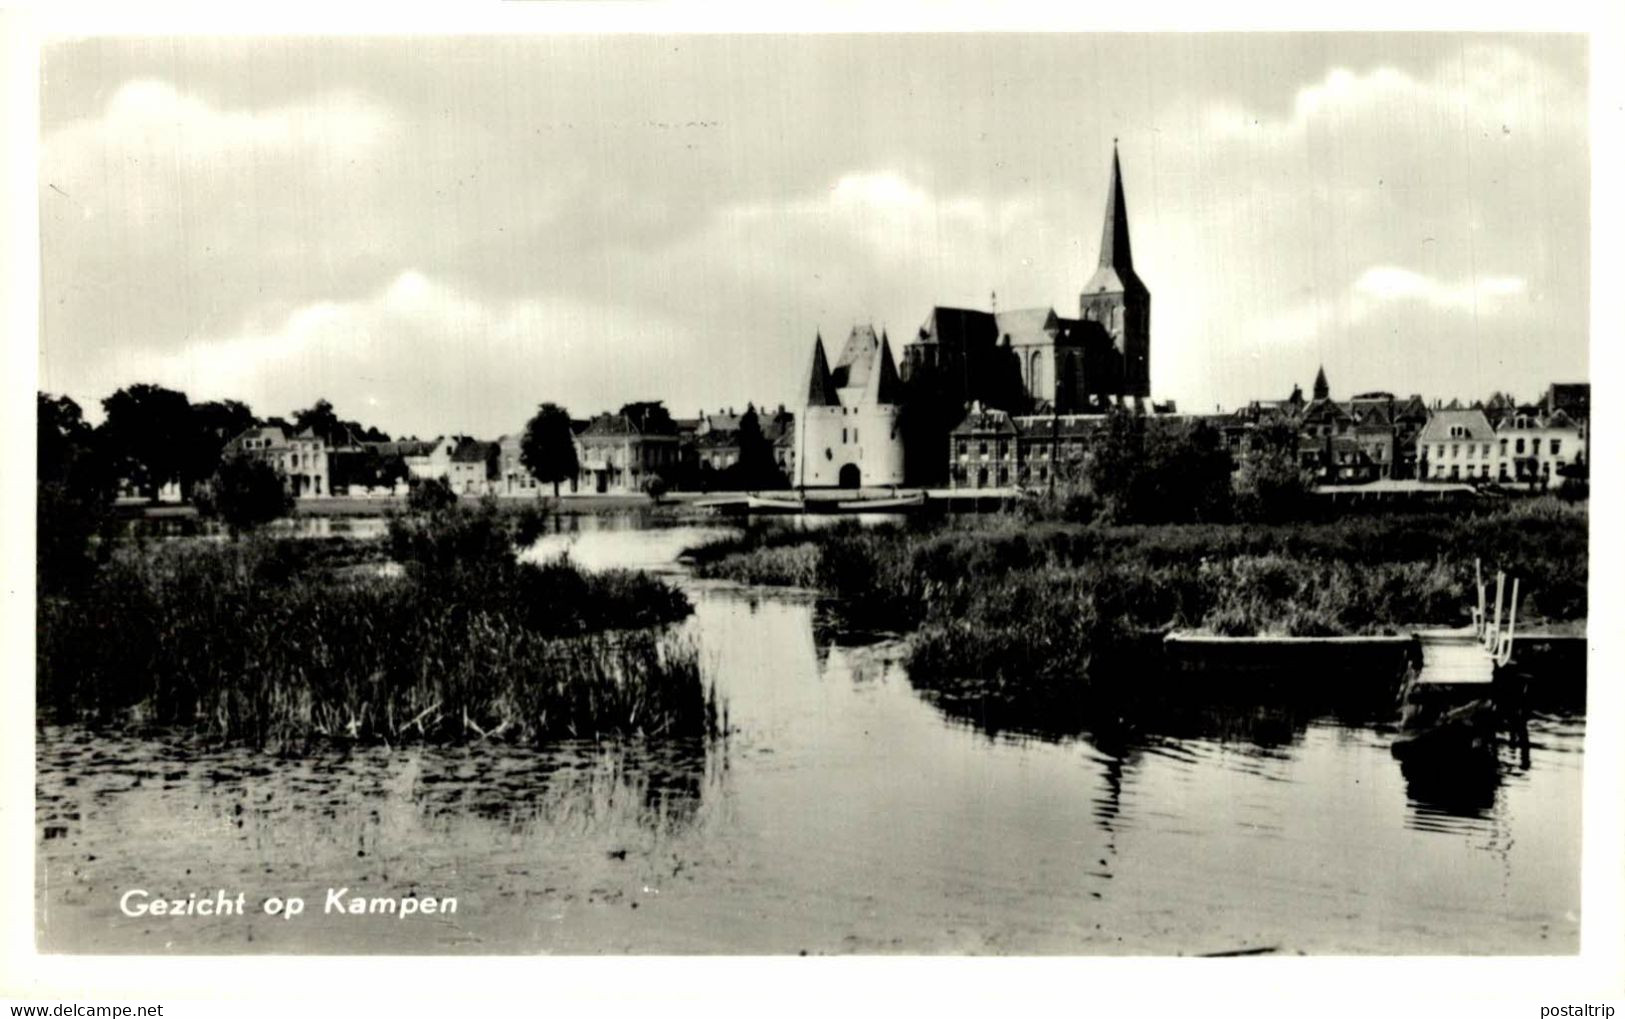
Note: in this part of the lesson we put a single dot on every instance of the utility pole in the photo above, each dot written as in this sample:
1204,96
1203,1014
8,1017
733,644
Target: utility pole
1055,431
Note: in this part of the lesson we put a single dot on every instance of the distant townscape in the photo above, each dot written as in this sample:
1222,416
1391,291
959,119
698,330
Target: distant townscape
1002,401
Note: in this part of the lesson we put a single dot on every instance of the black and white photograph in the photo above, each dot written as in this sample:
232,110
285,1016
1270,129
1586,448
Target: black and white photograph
662,493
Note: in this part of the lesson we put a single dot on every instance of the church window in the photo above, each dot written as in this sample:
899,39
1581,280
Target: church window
843,436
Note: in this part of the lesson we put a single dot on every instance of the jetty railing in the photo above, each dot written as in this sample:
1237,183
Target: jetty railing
1496,639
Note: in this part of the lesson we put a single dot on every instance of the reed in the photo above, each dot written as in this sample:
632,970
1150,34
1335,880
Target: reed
248,641
1003,609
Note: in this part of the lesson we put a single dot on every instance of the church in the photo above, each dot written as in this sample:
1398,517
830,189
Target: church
1069,365
1021,361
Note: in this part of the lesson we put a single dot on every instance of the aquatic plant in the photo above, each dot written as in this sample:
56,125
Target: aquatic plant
251,641
1007,608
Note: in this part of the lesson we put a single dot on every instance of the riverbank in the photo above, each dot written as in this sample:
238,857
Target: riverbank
675,504
1003,610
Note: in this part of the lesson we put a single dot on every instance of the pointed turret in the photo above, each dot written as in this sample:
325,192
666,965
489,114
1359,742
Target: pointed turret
885,386
1322,390
820,388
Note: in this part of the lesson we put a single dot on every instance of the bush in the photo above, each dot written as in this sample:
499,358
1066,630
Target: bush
655,487
429,495
244,494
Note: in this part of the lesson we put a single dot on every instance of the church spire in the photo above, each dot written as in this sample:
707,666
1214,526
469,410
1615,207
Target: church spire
1115,273
1114,245
1322,390
821,388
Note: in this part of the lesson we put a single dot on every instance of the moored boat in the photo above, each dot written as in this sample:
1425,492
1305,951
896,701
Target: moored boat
775,504
884,504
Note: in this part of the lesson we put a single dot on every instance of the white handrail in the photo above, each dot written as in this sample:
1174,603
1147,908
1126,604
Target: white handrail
1495,628
1503,653
1478,613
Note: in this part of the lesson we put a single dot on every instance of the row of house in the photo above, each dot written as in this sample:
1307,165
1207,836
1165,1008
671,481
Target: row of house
1370,437
1530,445
615,453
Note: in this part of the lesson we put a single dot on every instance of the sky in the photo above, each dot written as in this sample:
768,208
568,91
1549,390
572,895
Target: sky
439,233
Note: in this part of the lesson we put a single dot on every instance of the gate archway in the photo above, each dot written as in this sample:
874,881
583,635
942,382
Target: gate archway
851,477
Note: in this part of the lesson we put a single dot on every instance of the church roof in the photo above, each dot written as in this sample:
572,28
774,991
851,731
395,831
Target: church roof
1036,323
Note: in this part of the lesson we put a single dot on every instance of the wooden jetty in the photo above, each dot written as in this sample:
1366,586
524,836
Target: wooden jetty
1471,656
1443,659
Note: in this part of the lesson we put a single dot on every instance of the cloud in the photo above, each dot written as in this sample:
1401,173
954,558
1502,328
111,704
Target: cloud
421,356
1390,283
150,133
1485,86
324,198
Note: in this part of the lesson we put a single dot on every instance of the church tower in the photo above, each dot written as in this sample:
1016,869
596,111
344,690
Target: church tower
1115,297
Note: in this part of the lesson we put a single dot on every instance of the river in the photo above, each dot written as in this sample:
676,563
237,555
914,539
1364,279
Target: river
844,813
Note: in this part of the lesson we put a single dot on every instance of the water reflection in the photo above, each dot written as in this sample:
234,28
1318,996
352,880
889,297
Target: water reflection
846,812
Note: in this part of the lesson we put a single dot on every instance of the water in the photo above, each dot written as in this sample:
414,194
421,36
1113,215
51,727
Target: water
845,813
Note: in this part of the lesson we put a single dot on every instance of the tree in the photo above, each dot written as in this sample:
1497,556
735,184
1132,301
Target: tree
149,435
755,468
1271,485
214,423
74,496
1114,464
548,449
65,441
650,416
245,494
321,420
1155,473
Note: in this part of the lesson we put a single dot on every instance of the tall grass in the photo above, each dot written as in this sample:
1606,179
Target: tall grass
1002,608
249,641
